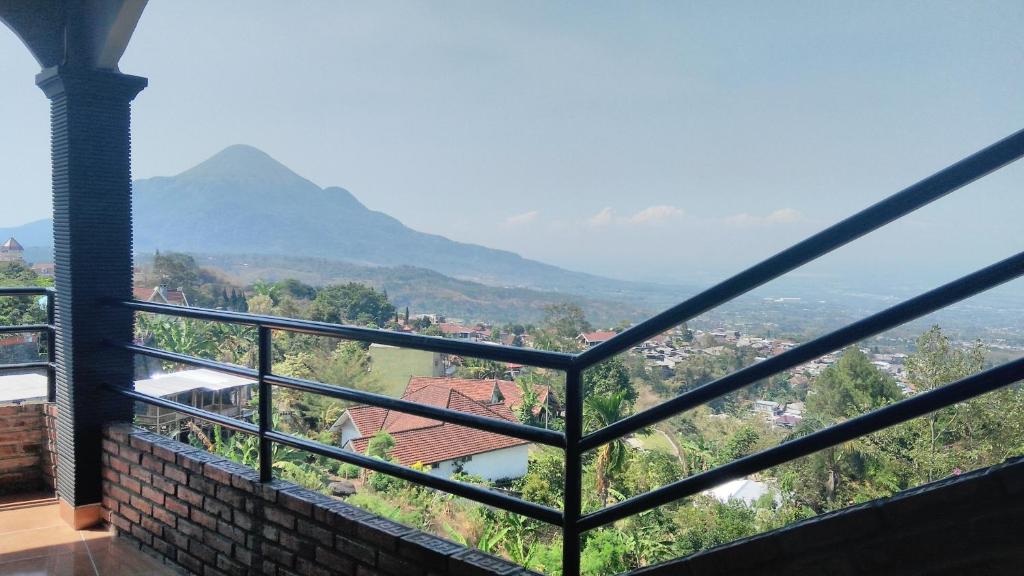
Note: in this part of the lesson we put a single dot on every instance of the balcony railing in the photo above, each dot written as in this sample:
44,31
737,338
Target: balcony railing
573,441
41,329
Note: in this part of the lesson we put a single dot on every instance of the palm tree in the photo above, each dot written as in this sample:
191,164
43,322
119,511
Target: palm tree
695,454
236,343
601,411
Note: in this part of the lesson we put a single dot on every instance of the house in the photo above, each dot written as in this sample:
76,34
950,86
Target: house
766,406
161,295
492,392
590,339
513,370
457,331
446,448
787,420
44,269
12,251
203,388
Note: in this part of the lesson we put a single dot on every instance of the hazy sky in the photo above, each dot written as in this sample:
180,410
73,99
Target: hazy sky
646,140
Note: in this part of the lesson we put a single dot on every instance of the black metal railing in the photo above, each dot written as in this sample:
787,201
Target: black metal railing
39,329
573,441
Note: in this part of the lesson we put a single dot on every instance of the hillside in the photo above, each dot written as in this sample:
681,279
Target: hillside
423,291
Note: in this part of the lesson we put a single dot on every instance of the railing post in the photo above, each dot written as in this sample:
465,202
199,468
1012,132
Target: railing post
265,411
51,349
573,472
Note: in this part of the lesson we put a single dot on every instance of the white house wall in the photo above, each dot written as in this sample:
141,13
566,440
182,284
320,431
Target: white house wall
348,431
497,465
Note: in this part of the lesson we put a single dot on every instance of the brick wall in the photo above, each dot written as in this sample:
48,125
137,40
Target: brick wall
27,460
212,517
958,526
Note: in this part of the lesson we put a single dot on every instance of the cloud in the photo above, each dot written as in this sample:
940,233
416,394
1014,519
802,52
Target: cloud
655,214
780,216
522,219
602,218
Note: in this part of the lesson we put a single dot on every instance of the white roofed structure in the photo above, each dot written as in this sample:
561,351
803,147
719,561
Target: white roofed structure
163,385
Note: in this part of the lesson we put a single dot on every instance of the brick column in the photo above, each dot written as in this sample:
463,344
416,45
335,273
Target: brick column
92,223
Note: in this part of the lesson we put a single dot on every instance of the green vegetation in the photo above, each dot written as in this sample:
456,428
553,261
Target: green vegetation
17,310
20,310
965,436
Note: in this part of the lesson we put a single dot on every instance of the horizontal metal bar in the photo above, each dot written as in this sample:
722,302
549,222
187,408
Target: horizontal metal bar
233,369
896,413
528,356
475,493
237,425
26,366
26,328
896,206
26,291
965,287
503,427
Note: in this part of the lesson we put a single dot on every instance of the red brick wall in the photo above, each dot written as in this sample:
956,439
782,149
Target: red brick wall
27,461
213,517
970,525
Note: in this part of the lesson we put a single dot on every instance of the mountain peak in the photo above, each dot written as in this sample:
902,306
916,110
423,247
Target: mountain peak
242,162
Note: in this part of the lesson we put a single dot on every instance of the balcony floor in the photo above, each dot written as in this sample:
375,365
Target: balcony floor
34,541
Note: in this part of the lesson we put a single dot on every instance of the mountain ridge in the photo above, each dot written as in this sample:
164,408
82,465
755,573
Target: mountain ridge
243,201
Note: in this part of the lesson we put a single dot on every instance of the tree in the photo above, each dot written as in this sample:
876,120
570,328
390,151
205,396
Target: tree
854,471
601,411
295,289
567,320
545,478
477,368
380,446
739,444
17,310
524,411
176,270
851,387
236,343
352,303
181,335
608,378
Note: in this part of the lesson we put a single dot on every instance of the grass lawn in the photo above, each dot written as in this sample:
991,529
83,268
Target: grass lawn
656,442
394,366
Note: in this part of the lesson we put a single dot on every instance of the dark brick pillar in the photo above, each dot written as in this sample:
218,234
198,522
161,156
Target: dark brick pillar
92,224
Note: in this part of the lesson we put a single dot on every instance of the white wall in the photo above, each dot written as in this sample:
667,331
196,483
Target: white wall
496,465
348,431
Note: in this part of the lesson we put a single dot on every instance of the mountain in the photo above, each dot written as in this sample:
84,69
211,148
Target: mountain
38,233
242,201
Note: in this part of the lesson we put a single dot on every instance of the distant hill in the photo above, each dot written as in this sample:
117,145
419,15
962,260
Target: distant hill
423,291
242,201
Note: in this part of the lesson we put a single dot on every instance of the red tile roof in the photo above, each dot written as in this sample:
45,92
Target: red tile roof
424,440
600,336
175,297
507,399
447,328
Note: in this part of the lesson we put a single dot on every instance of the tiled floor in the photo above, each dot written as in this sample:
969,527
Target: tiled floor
34,541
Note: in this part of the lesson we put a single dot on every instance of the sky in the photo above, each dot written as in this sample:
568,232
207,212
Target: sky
660,141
